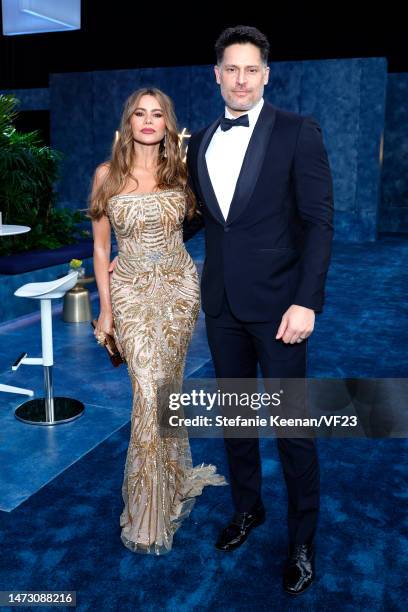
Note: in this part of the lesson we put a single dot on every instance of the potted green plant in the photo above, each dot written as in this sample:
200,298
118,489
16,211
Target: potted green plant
28,172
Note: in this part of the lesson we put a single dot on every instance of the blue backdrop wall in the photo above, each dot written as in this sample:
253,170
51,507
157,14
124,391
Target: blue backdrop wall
347,97
394,187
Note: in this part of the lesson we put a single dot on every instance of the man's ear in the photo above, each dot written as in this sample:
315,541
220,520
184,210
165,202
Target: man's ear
217,74
266,79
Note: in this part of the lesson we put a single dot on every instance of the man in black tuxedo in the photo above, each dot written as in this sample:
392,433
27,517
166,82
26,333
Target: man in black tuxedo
262,179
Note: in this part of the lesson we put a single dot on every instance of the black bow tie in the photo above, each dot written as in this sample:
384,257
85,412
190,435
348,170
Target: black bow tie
227,124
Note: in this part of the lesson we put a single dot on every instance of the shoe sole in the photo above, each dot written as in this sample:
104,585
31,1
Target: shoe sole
256,523
300,592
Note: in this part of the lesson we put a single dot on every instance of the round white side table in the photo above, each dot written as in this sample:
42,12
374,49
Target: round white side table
11,230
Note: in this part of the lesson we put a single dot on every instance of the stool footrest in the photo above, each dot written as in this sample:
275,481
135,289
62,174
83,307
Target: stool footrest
18,361
22,360
18,390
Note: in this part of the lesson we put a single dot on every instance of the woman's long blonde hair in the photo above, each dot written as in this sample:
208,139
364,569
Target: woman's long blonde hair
171,170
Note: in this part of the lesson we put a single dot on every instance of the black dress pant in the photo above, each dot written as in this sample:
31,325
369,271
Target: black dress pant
237,347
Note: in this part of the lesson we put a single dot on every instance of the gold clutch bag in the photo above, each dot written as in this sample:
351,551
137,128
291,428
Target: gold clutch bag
111,348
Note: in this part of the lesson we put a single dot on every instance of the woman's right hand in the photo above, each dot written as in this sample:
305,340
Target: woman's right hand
105,324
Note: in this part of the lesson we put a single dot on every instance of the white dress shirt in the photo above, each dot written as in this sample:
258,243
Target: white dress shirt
225,154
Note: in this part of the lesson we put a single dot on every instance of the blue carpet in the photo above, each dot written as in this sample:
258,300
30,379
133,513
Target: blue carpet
64,533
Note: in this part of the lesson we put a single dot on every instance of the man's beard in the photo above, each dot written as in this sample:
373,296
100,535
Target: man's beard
243,106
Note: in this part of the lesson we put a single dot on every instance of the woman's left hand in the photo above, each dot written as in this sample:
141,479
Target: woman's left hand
112,264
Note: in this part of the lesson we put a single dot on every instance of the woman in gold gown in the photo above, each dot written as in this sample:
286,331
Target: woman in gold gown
150,304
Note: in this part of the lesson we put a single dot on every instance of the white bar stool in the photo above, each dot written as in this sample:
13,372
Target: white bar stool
48,410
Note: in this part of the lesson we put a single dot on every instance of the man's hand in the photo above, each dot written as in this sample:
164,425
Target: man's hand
297,324
112,264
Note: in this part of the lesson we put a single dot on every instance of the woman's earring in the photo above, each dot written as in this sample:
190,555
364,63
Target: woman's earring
165,145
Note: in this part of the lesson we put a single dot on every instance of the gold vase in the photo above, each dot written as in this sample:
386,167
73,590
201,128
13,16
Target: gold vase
77,305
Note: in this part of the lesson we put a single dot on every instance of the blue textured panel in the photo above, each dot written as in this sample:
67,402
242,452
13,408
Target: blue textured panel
284,86
205,100
348,99
330,91
110,90
394,204
72,133
371,127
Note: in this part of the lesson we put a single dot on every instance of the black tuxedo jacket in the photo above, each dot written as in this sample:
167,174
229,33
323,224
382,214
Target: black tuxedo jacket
273,250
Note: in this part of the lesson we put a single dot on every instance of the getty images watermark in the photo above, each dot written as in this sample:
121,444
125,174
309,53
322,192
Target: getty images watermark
285,408
254,401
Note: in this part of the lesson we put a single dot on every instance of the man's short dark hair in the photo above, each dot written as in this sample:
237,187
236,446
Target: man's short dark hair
241,35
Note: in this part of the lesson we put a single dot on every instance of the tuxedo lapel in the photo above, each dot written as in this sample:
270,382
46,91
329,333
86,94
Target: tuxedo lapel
252,163
207,190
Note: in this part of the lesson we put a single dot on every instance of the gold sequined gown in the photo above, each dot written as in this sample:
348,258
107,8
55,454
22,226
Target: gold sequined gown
155,304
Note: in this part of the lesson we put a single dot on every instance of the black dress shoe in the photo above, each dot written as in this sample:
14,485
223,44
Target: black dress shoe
239,528
299,570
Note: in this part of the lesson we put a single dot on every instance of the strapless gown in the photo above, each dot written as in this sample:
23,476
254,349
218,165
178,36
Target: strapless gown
155,300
